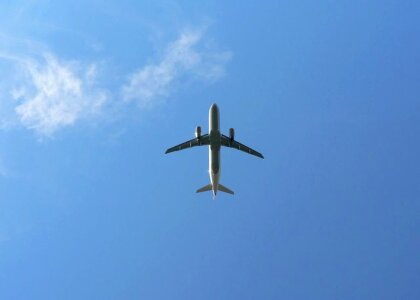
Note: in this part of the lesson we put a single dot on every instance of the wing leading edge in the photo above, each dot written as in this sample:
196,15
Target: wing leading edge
203,140
227,142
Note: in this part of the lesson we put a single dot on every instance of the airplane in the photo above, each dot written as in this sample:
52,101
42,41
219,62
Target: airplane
214,139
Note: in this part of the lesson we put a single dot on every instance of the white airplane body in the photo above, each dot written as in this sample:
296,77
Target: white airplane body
214,139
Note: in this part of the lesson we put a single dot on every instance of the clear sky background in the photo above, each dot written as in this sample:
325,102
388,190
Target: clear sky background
92,94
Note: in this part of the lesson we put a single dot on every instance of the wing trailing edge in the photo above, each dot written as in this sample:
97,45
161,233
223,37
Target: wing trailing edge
228,142
201,141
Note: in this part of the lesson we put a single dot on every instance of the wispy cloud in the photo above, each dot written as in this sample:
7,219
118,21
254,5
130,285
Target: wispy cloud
55,94
183,57
45,93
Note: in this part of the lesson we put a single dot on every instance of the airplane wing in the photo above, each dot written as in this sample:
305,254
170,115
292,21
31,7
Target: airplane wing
226,141
203,140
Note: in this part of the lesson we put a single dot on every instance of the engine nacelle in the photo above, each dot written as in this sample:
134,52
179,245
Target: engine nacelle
198,132
232,134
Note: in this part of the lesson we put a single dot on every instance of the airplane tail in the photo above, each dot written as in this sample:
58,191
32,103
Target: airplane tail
224,189
220,187
205,188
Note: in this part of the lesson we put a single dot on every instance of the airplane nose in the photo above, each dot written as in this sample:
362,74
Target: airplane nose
214,107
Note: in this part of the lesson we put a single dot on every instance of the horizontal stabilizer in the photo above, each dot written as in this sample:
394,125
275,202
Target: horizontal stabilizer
222,188
205,188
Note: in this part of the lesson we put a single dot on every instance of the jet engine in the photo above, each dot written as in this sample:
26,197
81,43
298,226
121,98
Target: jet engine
232,134
198,132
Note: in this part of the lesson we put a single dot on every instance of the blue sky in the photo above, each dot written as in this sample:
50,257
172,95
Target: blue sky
92,94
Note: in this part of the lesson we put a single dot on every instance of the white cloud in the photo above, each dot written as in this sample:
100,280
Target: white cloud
56,94
181,58
46,93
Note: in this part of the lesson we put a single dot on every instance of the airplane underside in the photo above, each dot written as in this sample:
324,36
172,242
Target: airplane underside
214,140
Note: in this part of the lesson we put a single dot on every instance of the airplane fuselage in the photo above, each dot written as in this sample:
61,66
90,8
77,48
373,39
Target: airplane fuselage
214,147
